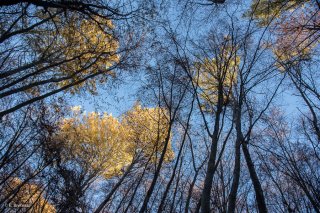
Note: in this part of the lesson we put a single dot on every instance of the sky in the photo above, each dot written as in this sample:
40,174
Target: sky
117,98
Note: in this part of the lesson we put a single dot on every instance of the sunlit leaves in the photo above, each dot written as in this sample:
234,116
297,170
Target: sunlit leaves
218,75
27,197
264,11
98,141
297,36
295,25
148,129
108,145
87,46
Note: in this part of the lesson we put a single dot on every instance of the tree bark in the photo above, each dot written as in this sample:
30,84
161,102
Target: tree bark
206,193
255,180
235,180
237,158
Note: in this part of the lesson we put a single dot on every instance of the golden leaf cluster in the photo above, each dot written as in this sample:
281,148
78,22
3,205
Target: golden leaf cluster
29,197
97,46
291,19
219,71
265,11
148,130
85,47
108,145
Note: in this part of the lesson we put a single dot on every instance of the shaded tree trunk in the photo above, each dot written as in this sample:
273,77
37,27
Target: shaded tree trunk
235,180
255,180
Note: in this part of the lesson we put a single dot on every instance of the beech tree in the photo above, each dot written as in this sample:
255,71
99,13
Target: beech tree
89,146
216,104
52,46
48,47
28,197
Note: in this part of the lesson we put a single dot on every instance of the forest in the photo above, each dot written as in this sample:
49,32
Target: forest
151,106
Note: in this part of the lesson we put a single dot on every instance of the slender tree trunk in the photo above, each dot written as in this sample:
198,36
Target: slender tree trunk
176,188
113,190
157,173
237,159
206,193
235,180
255,180
161,206
136,188
190,191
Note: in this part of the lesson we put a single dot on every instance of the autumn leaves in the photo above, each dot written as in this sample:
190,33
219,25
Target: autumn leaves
88,46
108,145
294,24
51,52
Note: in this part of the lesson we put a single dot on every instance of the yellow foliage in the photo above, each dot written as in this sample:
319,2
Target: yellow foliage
148,129
265,11
107,145
292,55
87,45
98,140
97,46
29,195
221,70
294,42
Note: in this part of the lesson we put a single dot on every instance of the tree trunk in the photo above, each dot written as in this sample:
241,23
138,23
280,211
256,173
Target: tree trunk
255,180
235,180
206,193
237,158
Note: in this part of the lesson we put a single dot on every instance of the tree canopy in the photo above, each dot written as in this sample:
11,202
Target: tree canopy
159,106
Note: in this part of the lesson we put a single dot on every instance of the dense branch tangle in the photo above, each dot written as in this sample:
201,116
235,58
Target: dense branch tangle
45,50
208,133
